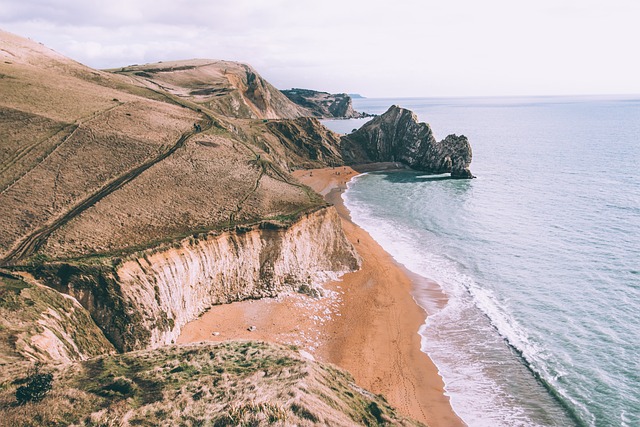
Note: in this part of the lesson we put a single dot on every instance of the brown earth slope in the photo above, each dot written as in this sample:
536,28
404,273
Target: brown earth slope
231,88
226,384
103,162
132,201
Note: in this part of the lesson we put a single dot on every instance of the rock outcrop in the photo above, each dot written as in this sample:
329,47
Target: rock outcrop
304,143
324,105
396,136
147,300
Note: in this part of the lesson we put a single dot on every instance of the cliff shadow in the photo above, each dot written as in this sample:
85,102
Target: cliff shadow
412,176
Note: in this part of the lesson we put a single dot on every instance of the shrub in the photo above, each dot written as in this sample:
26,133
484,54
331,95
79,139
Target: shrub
120,387
36,387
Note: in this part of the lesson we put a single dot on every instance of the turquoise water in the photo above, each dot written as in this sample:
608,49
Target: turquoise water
540,255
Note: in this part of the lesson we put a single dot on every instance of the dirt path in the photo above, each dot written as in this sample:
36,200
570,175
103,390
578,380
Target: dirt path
30,244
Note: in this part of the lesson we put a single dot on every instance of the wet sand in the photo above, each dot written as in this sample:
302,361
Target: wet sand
367,323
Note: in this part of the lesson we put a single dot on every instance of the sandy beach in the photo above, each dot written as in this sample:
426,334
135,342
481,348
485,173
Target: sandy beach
367,322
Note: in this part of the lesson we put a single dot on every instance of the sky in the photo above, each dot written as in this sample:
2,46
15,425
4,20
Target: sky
392,48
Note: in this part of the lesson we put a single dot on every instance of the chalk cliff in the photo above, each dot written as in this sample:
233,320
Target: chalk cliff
397,136
324,105
146,300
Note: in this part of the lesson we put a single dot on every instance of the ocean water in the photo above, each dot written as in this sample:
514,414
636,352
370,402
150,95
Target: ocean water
539,256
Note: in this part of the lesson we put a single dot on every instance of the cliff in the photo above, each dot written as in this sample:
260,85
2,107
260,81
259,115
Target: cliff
305,143
324,105
396,136
146,299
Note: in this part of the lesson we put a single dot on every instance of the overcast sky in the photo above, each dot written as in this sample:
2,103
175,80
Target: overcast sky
393,48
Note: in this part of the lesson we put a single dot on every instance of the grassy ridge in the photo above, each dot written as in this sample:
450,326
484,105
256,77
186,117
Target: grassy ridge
242,383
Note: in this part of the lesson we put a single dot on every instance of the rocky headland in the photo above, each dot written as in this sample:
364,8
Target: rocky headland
324,105
397,136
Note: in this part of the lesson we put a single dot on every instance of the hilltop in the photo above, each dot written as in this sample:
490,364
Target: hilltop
228,88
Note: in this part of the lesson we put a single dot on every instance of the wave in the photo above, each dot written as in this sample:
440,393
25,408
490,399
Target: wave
466,339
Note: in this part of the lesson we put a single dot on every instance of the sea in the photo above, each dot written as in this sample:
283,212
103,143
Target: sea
539,256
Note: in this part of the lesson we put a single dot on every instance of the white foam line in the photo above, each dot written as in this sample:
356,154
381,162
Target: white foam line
471,399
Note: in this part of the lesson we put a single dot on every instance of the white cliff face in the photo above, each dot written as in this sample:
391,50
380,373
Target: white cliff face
175,286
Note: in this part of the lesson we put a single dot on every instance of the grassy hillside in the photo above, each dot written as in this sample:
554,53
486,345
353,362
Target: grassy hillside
40,324
227,384
99,162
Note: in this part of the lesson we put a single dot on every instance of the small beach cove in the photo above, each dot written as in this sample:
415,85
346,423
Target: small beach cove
367,323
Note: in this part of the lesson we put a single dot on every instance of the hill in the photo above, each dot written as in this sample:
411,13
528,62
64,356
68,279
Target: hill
108,162
233,383
229,88
131,201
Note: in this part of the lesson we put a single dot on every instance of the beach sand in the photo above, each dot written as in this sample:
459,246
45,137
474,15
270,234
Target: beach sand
367,323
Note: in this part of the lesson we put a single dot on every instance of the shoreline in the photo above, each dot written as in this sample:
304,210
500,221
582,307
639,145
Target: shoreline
362,325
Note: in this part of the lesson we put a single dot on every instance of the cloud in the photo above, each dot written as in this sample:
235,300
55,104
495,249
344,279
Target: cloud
400,48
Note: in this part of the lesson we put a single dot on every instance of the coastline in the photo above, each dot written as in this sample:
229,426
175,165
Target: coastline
363,324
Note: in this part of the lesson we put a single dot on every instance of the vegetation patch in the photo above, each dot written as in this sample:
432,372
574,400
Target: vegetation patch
36,387
37,322
242,383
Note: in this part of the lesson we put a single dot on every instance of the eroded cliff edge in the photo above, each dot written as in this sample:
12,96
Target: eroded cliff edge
324,105
397,136
146,299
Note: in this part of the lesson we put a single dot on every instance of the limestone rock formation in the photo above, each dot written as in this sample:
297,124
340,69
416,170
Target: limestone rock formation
324,105
150,296
396,136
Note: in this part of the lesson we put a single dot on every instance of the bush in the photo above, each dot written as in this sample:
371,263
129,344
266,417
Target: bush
36,387
120,387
